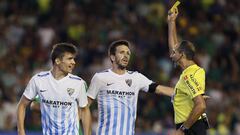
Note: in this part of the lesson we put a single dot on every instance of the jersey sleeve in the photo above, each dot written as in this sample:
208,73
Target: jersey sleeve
144,82
82,100
94,87
195,83
30,91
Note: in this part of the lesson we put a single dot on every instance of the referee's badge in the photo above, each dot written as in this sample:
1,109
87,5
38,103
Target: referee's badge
70,91
128,82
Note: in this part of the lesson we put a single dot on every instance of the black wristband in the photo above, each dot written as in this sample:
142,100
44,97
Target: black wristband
184,129
152,87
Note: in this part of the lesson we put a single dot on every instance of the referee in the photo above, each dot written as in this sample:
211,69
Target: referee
188,102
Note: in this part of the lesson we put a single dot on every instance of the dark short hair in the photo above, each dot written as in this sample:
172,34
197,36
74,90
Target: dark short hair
115,44
187,48
60,48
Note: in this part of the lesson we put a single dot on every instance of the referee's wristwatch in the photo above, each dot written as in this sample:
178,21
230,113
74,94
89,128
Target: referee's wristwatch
184,129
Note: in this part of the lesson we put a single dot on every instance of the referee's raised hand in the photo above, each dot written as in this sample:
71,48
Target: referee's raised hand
172,14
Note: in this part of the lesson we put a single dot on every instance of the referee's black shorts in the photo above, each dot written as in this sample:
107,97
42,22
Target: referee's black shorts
198,128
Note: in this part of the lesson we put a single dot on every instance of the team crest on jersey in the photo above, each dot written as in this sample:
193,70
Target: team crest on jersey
70,91
128,82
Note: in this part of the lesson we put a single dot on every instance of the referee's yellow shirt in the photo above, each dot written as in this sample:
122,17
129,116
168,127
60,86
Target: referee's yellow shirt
191,84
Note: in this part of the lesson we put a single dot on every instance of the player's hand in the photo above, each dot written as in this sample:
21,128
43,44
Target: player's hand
179,132
206,97
22,132
172,15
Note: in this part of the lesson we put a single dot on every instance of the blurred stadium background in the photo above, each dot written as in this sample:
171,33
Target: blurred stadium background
29,28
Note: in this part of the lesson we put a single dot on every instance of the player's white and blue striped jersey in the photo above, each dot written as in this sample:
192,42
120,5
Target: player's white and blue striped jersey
59,101
117,97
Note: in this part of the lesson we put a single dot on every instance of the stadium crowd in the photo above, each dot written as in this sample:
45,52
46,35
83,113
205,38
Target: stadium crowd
30,28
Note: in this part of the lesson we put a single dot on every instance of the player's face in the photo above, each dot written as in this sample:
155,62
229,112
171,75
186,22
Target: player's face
122,56
67,63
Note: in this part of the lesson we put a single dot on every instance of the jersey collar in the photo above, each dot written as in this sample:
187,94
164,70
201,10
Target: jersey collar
113,73
60,79
189,68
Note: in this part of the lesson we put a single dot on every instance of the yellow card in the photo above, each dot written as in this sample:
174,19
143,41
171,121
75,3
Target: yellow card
175,5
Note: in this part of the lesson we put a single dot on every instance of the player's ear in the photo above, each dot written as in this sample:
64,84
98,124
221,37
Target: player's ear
112,57
57,61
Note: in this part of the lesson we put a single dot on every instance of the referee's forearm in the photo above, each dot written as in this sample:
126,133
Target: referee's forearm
198,109
172,35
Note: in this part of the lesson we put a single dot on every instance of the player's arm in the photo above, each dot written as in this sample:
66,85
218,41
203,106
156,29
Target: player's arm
84,111
164,90
85,117
79,113
172,32
169,91
90,101
86,120
21,109
160,89
35,104
152,87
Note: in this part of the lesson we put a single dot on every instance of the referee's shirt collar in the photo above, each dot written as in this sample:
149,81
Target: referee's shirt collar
190,67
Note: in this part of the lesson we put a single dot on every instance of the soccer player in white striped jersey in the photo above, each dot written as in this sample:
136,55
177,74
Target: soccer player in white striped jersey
117,89
61,94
